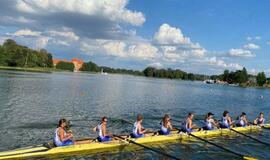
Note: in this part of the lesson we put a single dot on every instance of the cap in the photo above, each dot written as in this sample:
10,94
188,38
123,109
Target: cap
210,114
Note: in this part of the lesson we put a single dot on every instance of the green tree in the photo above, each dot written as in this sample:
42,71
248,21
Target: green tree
12,54
149,71
3,56
261,79
191,76
245,74
91,67
65,66
225,76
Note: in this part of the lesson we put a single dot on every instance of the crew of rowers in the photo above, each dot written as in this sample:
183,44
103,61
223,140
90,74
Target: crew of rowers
65,138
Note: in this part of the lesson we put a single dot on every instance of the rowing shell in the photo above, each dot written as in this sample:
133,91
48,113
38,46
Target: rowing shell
93,146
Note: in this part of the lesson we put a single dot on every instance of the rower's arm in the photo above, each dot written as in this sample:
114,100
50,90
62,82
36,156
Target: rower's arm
246,121
190,124
95,129
170,126
62,135
104,130
255,121
230,120
140,131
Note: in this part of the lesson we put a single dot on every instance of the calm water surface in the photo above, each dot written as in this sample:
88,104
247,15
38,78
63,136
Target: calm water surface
32,103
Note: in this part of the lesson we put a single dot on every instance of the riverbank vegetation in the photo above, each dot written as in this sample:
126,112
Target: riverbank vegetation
22,58
14,55
92,67
148,72
67,66
242,78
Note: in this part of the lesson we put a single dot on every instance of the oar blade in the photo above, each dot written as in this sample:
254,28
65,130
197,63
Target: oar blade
249,158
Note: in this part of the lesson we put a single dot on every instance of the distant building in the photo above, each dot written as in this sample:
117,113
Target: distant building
76,62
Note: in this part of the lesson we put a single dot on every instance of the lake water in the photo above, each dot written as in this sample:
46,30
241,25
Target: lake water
32,103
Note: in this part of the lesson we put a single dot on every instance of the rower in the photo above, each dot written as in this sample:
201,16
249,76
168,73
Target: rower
226,121
138,130
210,123
61,137
101,130
259,120
242,120
166,126
188,126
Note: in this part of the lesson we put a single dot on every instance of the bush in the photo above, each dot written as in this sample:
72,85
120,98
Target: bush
261,79
69,66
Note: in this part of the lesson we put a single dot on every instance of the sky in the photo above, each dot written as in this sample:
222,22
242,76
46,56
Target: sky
196,36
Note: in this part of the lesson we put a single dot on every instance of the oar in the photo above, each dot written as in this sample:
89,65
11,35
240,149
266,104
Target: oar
255,139
223,148
149,148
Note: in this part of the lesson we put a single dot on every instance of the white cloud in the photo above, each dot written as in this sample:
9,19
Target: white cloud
249,38
3,39
143,51
168,35
220,63
155,65
238,52
198,52
42,42
114,10
60,42
258,37
139,50
65,34
24,7
27,32
251,46
19,19
174,46
253,38
115,48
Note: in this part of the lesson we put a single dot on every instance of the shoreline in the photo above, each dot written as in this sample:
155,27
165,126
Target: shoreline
51,70
38,69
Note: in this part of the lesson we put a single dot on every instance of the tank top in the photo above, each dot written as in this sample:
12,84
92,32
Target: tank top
135,128
186,124
260,120
99,130
208,123
241,121
56,138
163,128
225,121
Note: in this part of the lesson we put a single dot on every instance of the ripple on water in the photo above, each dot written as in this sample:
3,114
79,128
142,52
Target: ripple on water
31,105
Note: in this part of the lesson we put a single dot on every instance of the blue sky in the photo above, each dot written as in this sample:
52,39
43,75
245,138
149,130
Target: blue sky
193,35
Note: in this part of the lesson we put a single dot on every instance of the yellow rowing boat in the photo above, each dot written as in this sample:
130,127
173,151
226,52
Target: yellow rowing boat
93,146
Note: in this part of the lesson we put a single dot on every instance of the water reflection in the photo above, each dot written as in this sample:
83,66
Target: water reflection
32,103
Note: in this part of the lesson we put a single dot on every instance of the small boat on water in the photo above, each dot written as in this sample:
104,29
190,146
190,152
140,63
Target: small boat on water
209,81
122,141
103,73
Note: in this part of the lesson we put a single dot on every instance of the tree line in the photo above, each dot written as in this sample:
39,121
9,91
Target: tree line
241,77
14,55
148,72
172,74
92,67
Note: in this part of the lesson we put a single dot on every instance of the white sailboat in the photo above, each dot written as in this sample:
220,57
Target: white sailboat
104,73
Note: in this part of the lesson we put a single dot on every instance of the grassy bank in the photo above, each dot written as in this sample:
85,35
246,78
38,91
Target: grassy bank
36,69
266,85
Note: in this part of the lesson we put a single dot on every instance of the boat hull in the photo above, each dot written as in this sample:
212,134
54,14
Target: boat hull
100,147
